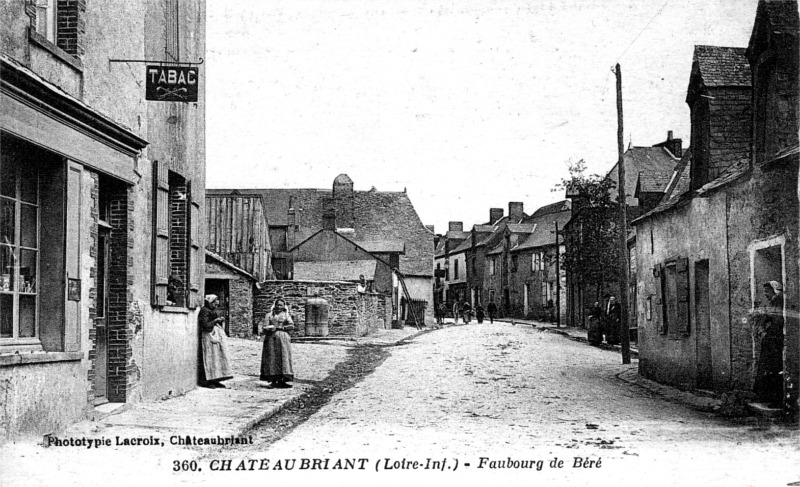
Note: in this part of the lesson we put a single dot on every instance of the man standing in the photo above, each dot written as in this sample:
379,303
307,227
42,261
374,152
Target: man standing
455,312
466,310
613,316
492,310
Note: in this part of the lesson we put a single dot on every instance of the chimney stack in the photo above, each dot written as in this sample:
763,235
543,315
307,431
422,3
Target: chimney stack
515,213
673,145
495,214
455,226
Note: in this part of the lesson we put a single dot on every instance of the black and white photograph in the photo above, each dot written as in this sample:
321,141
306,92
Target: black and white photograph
420,242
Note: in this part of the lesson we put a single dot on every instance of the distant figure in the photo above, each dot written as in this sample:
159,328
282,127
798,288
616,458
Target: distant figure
440,311
479,313
595,332
613,316
276,355
466,311
362,284
455,312
768,326
212,339
492,309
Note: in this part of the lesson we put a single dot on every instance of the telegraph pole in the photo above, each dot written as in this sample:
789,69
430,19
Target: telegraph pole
623,229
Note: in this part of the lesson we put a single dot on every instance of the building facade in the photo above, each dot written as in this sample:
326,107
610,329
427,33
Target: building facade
729,223
102,196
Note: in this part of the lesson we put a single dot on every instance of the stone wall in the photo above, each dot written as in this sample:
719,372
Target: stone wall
351,313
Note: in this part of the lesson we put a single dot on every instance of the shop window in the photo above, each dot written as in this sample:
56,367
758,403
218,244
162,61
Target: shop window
31,225
19,253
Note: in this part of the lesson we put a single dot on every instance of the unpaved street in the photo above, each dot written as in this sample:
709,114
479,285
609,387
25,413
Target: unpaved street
501,391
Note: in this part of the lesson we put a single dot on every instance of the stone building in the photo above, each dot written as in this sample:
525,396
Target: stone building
729,222
101,193
378,220
537,279
443,261
648,173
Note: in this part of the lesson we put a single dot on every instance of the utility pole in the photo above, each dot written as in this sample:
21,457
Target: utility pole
623,229
558,280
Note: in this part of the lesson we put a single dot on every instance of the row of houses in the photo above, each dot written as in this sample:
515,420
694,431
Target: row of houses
728,221
712,224
511,260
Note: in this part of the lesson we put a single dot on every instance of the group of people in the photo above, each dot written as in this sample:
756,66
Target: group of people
276,355
605,321
465,311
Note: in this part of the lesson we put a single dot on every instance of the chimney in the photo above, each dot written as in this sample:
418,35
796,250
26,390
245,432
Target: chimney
343,201
455,226
494,215
515,213
675,146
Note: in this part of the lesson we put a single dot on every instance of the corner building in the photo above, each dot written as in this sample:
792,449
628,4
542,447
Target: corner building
100,195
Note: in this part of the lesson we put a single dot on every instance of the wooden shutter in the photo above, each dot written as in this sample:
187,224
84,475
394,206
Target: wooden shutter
196,260
658,274
160,274
682,278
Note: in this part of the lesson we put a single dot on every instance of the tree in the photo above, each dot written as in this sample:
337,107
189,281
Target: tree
592,254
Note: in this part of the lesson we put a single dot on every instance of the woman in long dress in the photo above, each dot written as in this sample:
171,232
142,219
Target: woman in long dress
276,358
212,339
768,384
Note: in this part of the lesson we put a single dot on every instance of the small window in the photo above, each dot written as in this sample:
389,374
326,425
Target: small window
455,269
492,265
514,263
46,19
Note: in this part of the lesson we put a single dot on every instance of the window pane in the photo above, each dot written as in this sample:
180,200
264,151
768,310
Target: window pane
27,226
7,260
29,186
6,316
8,180
27,271
27,316
7,221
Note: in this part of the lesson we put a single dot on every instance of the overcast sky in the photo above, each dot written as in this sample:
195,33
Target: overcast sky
468,104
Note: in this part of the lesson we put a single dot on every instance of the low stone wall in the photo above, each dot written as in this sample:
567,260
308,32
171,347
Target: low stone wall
351,313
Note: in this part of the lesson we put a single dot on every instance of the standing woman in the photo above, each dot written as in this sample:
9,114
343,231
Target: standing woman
212,339
276,358
768,384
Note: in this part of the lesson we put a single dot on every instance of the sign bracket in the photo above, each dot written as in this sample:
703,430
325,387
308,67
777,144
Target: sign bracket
157,62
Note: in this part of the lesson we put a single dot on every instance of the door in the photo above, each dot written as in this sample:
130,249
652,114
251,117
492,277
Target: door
701,293
101,322
525,301
220,288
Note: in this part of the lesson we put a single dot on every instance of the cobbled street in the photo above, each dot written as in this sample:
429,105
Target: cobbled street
501,391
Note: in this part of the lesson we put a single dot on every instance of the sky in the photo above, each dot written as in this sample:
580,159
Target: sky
466,105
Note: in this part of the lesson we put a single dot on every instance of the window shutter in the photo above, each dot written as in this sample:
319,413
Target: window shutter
683,296
160,275
658,274
196,260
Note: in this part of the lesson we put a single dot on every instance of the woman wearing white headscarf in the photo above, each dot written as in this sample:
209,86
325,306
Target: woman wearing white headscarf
212,339
768,384
276,358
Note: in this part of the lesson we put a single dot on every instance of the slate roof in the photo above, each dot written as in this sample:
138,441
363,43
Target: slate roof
463,246
654,164
498,249
521,227
544,234
349,270
483,228
230,265
456,234
722,66
564,205
377,217
383,246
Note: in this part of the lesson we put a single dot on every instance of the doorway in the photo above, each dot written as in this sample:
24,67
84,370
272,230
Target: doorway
220,287
101,320
705,366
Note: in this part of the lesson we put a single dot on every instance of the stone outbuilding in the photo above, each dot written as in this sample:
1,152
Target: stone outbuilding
234,288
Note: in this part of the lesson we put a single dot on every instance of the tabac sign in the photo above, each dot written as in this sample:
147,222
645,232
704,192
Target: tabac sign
171,83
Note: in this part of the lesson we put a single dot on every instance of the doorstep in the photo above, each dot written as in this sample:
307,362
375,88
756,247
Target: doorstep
764,410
